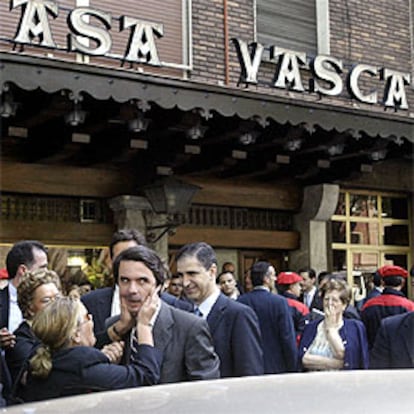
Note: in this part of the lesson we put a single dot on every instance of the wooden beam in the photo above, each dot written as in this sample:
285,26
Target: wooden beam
247,239
56,233
64,180
243,193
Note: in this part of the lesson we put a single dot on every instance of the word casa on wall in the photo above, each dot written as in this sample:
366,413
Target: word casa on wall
34,29
326,74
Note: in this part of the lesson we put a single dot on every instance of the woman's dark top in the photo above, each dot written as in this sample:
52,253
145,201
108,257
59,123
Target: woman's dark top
353,336
83,369
26,343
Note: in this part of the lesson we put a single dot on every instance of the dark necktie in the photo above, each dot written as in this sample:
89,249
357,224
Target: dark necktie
197,312
134,345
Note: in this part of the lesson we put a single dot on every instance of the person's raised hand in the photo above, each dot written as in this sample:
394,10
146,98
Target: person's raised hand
114,351
7,339
149,306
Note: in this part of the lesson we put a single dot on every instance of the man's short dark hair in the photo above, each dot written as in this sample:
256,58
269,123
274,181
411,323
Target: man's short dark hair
309,271
376,279
204,253
22,254
127,235
146,256
393,281
258,272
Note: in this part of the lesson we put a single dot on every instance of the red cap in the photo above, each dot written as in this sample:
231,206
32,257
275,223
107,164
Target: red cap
3,274
389,270
287,278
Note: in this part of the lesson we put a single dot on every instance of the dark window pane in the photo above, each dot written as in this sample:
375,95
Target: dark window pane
395,234
339,260
340,208
395,208
338,232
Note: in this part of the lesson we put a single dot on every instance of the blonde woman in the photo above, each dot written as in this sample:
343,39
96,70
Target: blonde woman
66,363
334,343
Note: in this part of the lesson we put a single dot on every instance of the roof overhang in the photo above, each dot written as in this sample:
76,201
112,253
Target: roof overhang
30,73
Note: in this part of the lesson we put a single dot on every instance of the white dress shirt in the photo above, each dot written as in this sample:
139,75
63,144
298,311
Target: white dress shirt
208,303
15,314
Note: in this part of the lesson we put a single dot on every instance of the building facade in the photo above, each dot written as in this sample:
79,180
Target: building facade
295,122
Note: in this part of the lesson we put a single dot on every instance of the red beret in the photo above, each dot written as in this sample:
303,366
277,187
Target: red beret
3,274
287,278
389,270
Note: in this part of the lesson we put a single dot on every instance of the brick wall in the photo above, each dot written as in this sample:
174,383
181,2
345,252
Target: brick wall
372,32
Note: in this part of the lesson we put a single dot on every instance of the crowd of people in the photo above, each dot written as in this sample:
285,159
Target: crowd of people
200,323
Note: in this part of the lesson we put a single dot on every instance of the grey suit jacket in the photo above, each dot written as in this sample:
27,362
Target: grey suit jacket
186,344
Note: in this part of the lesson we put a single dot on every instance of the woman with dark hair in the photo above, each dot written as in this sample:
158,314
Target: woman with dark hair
66,363
334,343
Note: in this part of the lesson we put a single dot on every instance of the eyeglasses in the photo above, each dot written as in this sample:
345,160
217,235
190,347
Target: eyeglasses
48,299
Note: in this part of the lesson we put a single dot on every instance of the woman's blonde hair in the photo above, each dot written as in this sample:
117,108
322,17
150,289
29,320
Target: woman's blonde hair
54,326
30,282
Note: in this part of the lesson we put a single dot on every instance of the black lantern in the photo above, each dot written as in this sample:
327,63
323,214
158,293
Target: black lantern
169,196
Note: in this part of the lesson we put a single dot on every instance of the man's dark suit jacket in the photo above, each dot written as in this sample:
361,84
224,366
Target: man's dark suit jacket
394,343
99,304
186,345
278,332
237,339
4,307
5,377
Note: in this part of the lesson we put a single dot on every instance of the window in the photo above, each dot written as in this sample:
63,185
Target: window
299,25
370,230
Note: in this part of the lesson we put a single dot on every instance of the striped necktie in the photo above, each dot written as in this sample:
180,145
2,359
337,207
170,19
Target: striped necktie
134,344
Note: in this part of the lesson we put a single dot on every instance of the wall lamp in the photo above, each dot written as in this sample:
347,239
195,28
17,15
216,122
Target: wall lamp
139,123
168,196
378,155
8,107
293,145
196,132
76,116
248,138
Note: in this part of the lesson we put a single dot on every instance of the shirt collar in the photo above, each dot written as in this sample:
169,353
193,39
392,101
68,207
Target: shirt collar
261,287
116,304
208,303
12,292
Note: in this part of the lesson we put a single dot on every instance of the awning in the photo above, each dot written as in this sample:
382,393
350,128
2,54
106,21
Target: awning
30,73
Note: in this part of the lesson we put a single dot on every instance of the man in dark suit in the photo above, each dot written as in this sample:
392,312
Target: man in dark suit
103,303
394,343
392,301
234,327
310,294
276,323
377,287
183,338
26,255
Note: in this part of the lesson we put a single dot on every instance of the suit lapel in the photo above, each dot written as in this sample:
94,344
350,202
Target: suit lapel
4,306
217,312
163,327
407,333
